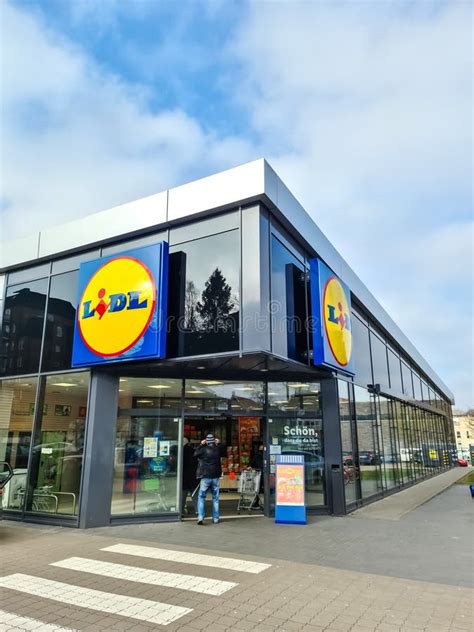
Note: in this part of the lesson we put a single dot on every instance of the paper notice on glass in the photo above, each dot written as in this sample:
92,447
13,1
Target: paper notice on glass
150,447
275,449
165,448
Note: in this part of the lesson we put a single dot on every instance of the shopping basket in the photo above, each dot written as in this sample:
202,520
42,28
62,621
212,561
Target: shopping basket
249,486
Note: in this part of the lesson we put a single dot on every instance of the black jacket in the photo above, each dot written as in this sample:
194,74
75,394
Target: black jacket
209,460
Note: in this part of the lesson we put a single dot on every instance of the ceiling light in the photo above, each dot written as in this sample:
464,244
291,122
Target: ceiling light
273,393
298,385
280,401
264,370
196,392
120,390
63,384
122,379
211,382
243,388
200,367
192,406
158,386
144,401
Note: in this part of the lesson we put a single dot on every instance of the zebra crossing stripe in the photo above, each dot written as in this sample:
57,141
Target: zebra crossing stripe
10,621
131,607
184,557
145,576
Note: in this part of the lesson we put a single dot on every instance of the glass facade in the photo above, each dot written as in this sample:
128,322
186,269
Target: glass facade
60,317
389,439
388,444
146,447
17,406
22,327
204,297
58,445
295,426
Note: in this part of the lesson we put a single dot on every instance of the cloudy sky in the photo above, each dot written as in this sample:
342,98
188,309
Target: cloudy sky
363,108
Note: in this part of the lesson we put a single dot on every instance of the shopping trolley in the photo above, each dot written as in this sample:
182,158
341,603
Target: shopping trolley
249,487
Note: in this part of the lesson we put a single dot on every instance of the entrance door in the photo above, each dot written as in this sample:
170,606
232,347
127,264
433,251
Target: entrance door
243,441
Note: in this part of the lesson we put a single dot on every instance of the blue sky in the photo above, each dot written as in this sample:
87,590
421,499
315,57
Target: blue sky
363,108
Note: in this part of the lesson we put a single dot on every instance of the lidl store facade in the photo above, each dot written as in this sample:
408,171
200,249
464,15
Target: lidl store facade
217,306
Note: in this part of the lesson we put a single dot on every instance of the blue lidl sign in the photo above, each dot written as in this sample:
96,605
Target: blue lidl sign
331,307
121,308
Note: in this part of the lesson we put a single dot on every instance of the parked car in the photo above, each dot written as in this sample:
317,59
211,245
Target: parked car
6,473
462,463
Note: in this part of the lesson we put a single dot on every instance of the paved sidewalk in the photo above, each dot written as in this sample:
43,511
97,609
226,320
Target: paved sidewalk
286,596
397,505
355,574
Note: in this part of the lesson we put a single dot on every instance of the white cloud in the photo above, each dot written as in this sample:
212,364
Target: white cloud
366,114
76,139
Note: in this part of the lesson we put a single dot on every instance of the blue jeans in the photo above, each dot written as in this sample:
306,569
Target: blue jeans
205,485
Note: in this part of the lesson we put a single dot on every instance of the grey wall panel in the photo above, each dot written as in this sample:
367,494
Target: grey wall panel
255,281
97,476
204,227
114,222
23,250
220,190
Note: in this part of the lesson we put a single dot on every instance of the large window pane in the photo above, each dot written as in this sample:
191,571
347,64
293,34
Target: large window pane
417,387
17,403
350,469
362,363
56,466
22,328
146,446
288,306
60,319
379,360
204,296
303,437
295,427
369,458
395,372
407,380
220,396
294,399
389,448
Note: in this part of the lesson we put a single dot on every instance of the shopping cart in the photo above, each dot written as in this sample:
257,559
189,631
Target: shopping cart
249,487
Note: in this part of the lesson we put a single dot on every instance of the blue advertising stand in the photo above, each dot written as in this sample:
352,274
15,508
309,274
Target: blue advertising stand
290,504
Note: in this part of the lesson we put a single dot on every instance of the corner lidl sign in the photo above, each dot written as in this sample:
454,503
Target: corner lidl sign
331,307
121,311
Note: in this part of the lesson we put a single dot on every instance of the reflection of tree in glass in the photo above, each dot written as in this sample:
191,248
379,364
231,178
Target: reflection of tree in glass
216,302
191,317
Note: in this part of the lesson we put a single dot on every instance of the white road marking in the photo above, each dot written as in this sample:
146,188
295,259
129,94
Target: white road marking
145,576
132,607
10,621
188,558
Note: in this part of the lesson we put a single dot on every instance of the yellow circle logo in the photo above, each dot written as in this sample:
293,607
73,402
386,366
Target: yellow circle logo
116,306
337,321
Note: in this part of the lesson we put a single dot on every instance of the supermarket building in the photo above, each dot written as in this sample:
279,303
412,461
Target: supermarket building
217,306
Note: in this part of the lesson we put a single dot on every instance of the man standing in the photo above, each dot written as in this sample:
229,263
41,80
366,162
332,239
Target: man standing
209,471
